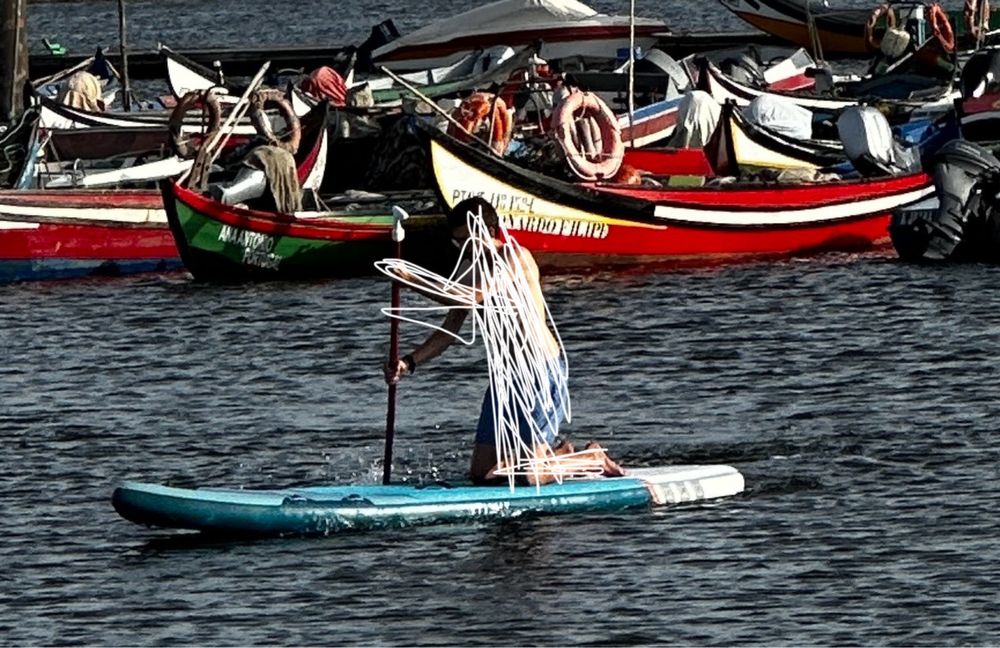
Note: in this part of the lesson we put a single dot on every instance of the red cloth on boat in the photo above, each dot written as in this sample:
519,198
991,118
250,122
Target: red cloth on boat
325,82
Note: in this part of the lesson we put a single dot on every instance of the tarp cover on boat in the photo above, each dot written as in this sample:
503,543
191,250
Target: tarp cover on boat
697,118
780,115
82,90
510,16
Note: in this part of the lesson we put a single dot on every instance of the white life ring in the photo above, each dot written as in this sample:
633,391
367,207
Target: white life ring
589,135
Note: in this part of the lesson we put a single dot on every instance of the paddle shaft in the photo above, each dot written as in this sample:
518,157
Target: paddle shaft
390,411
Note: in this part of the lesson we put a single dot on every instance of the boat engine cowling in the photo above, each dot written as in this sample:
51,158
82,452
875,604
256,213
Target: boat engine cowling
965,225
871,146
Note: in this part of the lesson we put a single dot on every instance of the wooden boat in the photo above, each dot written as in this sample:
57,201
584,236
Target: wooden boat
980,118
470,73
566,29
219,242
60,234
56,116
223,243
740,144
64,234
724,88
15,147
602,224
656,121
322,510
979,108
841,31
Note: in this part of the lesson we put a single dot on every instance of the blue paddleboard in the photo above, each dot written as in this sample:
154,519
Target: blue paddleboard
319,510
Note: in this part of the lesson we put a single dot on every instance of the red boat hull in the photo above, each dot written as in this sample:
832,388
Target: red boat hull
56,235
63,234
573,225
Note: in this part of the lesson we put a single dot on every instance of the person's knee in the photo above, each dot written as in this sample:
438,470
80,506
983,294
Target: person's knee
484,460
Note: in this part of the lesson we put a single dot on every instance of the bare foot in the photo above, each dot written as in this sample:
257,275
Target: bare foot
564,447
611,469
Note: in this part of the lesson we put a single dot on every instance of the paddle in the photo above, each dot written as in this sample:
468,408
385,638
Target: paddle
398,233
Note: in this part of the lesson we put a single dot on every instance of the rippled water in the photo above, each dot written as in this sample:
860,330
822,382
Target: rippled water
82,25
856,394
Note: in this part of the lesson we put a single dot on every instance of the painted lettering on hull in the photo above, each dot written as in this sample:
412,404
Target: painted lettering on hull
258,249
516,213
556,226
504,202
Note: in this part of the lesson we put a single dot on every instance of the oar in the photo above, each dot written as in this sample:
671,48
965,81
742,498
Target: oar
398,233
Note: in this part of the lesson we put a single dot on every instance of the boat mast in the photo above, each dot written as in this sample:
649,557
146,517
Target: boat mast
13,58
631,69
814,37
126,91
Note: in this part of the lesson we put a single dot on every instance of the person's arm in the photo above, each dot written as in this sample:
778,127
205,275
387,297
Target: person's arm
430,348
433,292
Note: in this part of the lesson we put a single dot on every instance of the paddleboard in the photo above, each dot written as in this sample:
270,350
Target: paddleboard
320,510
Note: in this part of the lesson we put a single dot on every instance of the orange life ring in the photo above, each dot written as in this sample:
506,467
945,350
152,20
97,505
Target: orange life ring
941,25
977,17
473,112
589,135
874,42
262,123
208,103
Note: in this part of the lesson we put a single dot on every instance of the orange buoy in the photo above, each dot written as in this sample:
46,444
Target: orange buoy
941,26
473,113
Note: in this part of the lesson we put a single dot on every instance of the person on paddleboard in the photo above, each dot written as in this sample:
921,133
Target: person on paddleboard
546,419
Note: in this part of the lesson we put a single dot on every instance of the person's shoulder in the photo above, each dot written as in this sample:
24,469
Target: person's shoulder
527,260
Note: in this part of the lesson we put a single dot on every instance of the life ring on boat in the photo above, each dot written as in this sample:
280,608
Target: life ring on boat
977,17
874,42
473,112
941,26
261,100
589,135
208,103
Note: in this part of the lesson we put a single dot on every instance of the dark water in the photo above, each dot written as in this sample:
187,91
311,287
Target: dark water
80,26
857,395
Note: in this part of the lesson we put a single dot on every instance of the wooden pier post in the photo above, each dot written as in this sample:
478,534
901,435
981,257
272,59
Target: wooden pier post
13,58
126,90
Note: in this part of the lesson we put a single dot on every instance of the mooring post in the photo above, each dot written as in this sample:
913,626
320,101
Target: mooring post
13,58
126,90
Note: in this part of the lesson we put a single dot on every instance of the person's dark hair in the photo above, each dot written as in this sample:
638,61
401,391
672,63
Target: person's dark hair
458,216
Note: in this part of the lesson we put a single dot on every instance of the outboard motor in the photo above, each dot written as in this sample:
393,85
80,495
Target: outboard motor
870,145
966,222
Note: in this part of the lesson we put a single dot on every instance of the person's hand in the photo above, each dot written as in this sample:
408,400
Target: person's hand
395,372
